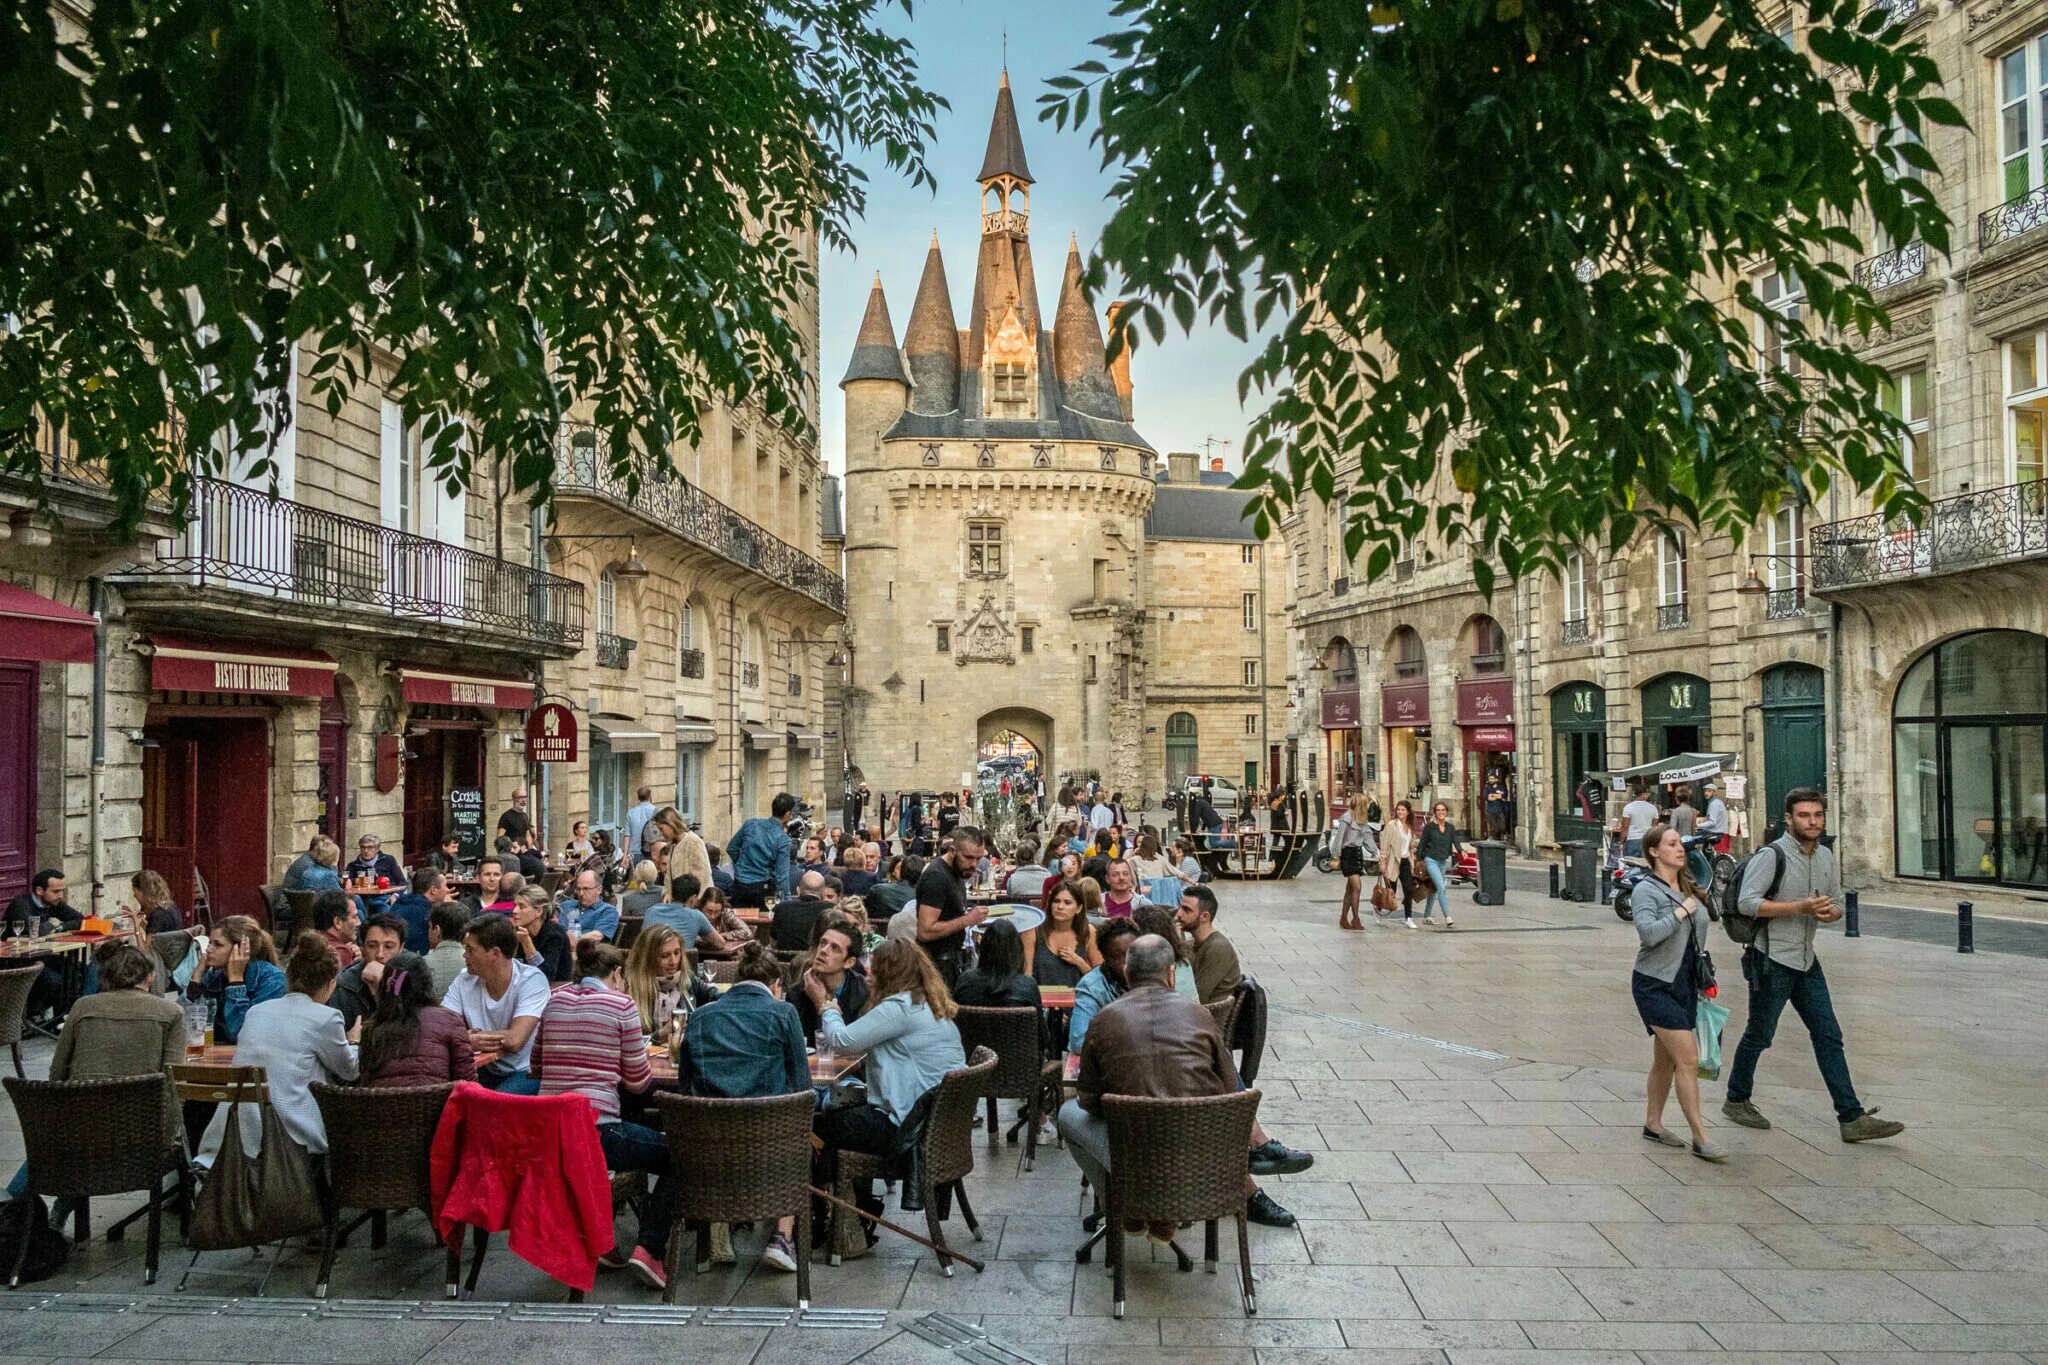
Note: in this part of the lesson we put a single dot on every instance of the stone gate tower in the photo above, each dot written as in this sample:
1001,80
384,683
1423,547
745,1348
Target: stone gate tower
996,495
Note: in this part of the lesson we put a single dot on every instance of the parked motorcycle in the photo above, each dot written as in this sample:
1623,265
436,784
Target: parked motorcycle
1632,871
1326,853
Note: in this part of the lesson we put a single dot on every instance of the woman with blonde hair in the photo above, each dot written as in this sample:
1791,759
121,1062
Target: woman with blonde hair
658,978
1091,895
643,889
1350,837
322,876
155,911
686,851
1671,972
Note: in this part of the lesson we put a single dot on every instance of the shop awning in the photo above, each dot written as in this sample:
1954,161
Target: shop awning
760,736
465,689
624,735
808,741
181,664
695,730
1674,768
40,630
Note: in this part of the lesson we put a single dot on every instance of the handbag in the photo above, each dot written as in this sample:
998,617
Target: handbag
1382,896
252,1201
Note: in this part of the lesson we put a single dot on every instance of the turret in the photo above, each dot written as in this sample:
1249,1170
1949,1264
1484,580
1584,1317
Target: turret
1003,323
876,386
1077,348
931,344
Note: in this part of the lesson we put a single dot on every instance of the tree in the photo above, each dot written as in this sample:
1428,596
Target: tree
530,206
1487,234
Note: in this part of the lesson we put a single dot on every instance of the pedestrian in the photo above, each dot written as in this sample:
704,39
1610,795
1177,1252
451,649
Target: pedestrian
1669,976
1397,858
1436,847
1791,887
1634,821
1349,837
1496,797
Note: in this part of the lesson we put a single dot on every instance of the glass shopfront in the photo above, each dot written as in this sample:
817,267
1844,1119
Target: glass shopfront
1970,761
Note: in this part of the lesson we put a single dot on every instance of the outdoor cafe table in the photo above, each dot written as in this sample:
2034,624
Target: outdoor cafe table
824,1072
50,945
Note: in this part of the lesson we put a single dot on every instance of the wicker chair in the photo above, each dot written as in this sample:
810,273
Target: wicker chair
1179,1161
379,1142
300,905
948,1141
1224,1012
15,984
716,970
274,902
629,929
736,1161
96,1137
1016,1035
1248,1034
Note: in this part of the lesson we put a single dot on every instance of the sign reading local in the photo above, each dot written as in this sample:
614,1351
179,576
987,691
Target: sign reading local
551,734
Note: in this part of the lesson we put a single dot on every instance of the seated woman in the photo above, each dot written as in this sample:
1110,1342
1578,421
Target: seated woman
716,906
323,875
579,846
659,980
334,919
1149,862
1069,869
997,977
866,938
589,1043
911,1043
127,1029
542,941
835,956
1186,865
297,1040
408,1038
156,913
1064,949
642,890
241,972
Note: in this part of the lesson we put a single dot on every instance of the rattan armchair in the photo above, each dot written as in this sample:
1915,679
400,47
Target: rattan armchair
738,1160
1180,1161
15,985
1016,1034
716,970
84,1138
1224,1012
948,1141
379,1146
629,929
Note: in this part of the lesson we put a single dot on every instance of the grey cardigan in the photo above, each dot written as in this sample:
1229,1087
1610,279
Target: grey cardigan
1657,924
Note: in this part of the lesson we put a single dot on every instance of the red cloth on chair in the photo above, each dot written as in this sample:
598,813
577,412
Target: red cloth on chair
530,1164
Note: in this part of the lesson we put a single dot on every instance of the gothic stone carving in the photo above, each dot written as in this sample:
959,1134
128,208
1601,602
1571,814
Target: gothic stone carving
984,637
985,455
1041,457
930,452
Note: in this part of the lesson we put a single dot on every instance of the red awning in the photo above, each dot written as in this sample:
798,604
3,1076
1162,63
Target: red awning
42,631
181,664
466,689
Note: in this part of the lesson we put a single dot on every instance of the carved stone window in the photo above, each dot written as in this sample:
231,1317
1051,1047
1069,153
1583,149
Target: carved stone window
985,549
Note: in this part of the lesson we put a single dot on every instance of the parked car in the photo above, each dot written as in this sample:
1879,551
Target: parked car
1222,792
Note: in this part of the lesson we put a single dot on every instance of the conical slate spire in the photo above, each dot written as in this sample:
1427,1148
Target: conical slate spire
1078,351
874,350
931,344
1005,154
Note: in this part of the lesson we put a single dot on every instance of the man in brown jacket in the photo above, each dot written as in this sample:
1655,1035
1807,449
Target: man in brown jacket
1150,1041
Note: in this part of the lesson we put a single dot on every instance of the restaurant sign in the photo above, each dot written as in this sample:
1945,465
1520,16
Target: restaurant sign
1340,708
1486,701
188,665
551,734
466,689
1404,705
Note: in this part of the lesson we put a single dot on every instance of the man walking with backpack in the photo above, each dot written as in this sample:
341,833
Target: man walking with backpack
1787,890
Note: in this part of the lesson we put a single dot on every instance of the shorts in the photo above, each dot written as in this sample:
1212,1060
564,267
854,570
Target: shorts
1351,861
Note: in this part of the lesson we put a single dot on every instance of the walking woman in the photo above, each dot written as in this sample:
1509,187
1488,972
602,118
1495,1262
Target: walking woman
1397,858
1349,836
1439,842
1671,921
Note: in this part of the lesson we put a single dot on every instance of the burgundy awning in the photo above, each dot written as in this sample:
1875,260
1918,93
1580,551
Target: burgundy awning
181,664
40,630
466,689
1404,705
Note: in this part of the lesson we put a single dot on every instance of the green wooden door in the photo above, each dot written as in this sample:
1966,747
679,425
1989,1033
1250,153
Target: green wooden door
1795,736
1677,716
1182,752
1578,727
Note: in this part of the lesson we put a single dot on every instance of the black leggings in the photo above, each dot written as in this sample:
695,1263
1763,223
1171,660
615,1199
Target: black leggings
1407,875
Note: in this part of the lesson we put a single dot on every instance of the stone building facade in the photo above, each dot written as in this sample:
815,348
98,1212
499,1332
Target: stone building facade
1009,535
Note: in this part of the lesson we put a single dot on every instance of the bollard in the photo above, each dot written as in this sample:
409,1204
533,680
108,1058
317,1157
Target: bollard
1852,921
1553,881
1966,931
1606,880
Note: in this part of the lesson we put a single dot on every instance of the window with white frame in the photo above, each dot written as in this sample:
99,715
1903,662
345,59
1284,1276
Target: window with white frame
2026,407
607,603
1671,568
2022,109
1781,545
1775,329
1575,587
1251,722
686,626
1250,553
1251,672
985,549
1904,394
1251,611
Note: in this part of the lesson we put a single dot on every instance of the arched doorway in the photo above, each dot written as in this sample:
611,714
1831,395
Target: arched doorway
1795,735
1183,749
1578,728
1344,755
1970,761
1677,718
1014,732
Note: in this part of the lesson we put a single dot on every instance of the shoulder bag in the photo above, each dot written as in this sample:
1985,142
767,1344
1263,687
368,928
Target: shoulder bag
252,1201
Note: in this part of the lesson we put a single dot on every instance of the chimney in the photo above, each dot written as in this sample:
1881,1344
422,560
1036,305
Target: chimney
1181,467
1215,464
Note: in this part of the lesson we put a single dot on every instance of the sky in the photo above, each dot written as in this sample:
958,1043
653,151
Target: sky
1185,389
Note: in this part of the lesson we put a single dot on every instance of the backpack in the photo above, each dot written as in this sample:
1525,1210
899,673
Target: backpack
1742,926
27,1219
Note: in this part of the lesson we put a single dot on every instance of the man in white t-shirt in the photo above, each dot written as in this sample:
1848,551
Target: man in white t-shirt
1634,822
502,1000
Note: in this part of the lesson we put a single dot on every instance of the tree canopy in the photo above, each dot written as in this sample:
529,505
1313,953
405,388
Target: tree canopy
527,206
1489,236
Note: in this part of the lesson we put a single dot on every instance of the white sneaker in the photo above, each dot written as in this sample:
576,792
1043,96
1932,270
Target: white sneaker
1410,922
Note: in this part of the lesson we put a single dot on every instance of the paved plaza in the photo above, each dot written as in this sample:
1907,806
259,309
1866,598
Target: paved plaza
1480,1195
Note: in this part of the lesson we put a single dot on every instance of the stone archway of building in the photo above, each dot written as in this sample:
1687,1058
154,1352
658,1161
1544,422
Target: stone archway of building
1033,727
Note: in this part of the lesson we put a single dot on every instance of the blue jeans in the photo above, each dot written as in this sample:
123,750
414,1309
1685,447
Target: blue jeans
520,1082
1772,986
635,1147
1439,895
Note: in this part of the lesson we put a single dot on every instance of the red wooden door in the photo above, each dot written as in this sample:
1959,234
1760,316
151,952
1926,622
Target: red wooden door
18,699
170,816
233,829
424,778
333,770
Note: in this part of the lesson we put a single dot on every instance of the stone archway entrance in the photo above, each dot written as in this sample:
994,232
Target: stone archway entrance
1033,727
1006,734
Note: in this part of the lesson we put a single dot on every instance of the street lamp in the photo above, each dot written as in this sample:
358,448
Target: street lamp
1753,586
630,567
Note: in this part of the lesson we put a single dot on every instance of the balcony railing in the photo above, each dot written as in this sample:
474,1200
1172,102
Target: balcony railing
1784,604
1674,616
614,651
1578,630
2014,218
693,663
59,461
583,465
1991,526
1902,266
750,675
241,537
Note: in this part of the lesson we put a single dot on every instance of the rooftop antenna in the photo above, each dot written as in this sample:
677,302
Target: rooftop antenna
1209,444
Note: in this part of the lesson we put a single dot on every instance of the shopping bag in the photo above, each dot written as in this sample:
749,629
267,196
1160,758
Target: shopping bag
1707,1029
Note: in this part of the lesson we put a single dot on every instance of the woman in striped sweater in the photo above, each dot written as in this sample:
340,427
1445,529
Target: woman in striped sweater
590,1043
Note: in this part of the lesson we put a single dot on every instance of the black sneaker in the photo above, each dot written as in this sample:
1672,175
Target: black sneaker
1261,1209
1272,1157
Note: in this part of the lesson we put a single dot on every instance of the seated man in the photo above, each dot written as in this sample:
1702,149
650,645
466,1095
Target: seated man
445,926
680,913
416,906
589,915
39,910
1152,1042
372,862
355,990
489,897
790,930
501,1000
1217,972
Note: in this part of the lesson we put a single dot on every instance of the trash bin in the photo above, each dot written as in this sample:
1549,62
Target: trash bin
1581,871
1493,873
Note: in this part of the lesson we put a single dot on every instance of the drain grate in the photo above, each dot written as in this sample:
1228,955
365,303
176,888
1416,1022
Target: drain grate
967,1341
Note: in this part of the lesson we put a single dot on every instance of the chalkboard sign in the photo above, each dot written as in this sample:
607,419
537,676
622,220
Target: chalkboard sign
1443,769
466,821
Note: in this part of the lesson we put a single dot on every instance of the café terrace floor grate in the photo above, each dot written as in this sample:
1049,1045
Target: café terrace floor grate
448,1310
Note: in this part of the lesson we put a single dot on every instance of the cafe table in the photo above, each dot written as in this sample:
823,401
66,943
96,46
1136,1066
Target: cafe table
825,1071
51,945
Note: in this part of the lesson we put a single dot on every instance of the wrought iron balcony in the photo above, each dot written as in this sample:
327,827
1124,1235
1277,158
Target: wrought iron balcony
1900,266
58,461
614,651
1674,616
1972,530
583,465
1784,604
693,663
1578,630
243,538
2016,217
750,675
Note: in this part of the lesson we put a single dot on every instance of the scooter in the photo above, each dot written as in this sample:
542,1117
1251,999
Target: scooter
1464,868
1630,875
1326,854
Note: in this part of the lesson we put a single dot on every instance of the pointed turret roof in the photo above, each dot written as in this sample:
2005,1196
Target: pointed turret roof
931,343
1078,351
874,351
1005,154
